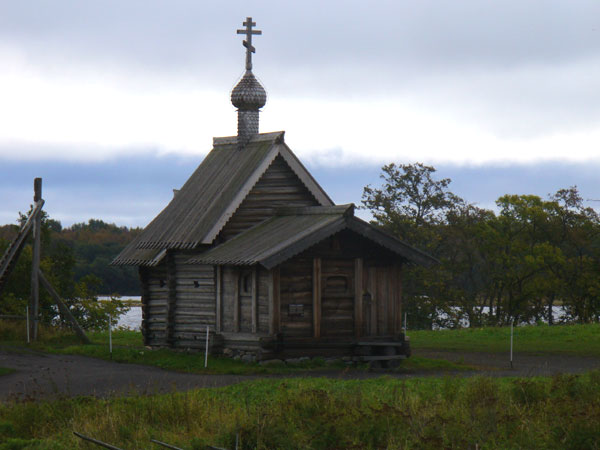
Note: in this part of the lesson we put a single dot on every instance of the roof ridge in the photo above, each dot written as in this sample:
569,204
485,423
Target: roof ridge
261,137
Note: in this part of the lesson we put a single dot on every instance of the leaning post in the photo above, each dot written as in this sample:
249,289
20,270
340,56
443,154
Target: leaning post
34,309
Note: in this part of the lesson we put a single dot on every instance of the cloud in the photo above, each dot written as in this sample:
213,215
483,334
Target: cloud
465,82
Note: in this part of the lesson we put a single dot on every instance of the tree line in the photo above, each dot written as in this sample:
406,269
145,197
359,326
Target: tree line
495,267
512,264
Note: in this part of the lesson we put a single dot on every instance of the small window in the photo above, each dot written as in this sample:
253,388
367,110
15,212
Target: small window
163,283
246,283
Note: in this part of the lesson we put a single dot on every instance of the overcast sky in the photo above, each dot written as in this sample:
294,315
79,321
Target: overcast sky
114,103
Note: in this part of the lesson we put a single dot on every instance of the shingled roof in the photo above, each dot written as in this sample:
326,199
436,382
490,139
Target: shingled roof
294,230
211,195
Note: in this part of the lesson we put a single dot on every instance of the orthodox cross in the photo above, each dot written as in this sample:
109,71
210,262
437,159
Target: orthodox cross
248,42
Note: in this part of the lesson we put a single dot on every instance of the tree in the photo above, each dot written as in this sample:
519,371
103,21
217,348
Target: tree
412,205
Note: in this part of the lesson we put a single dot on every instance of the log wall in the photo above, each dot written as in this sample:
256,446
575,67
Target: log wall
296,298
279,186
155,295
195,302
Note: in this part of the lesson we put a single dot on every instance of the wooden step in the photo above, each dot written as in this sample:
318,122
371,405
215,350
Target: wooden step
382,343
381,357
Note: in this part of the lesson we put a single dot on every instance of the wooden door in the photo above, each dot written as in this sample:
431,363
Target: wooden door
337,298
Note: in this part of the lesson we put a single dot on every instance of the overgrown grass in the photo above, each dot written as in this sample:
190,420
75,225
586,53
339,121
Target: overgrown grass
583,340
5,371
562,412
128,348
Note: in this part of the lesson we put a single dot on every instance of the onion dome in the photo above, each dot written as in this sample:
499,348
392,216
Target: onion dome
248,94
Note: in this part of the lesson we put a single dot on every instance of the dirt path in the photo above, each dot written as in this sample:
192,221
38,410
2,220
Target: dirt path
40,375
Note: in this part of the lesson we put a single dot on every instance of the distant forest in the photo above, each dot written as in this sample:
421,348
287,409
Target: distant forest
84,250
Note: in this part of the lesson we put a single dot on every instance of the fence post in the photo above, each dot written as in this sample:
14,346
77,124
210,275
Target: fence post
110,336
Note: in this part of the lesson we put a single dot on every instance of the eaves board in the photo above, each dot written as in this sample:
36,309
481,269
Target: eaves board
380,237
305,176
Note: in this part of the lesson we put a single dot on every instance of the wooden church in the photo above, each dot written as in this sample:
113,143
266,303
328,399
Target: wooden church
254,249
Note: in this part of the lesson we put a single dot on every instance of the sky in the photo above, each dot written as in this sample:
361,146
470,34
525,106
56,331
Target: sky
115,102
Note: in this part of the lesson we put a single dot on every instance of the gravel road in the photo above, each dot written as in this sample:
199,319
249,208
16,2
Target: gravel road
40,375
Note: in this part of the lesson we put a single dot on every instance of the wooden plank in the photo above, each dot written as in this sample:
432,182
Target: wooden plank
254,294
219,300
64,309
274,301
374,293
398,276
35,262
236,300
392,299
172,295
316,297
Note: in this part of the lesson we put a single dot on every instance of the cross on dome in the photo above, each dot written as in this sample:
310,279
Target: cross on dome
248,31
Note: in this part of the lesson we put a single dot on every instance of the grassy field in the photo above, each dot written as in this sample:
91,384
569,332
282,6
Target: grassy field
562,412
583,340
128,348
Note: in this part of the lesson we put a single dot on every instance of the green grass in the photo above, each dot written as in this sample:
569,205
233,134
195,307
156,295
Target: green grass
6,371
562,412
582,340
128,348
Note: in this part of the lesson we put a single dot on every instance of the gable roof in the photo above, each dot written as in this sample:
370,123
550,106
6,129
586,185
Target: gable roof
294,230
209,198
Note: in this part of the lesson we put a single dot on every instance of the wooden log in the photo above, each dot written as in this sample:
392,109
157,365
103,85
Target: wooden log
219,318
63,308
172,295
35,262
274,301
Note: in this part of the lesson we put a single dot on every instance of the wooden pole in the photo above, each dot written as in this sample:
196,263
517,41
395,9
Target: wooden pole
63,308
35,262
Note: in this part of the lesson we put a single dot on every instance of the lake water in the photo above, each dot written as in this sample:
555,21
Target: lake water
133,318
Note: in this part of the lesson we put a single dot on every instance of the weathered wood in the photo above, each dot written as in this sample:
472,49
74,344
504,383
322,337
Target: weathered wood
236,301
316,297
374,299
274,301
254,300
398,321
34,307
171,296
143,274
219,299
278,186
64,309
95,441
358,292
